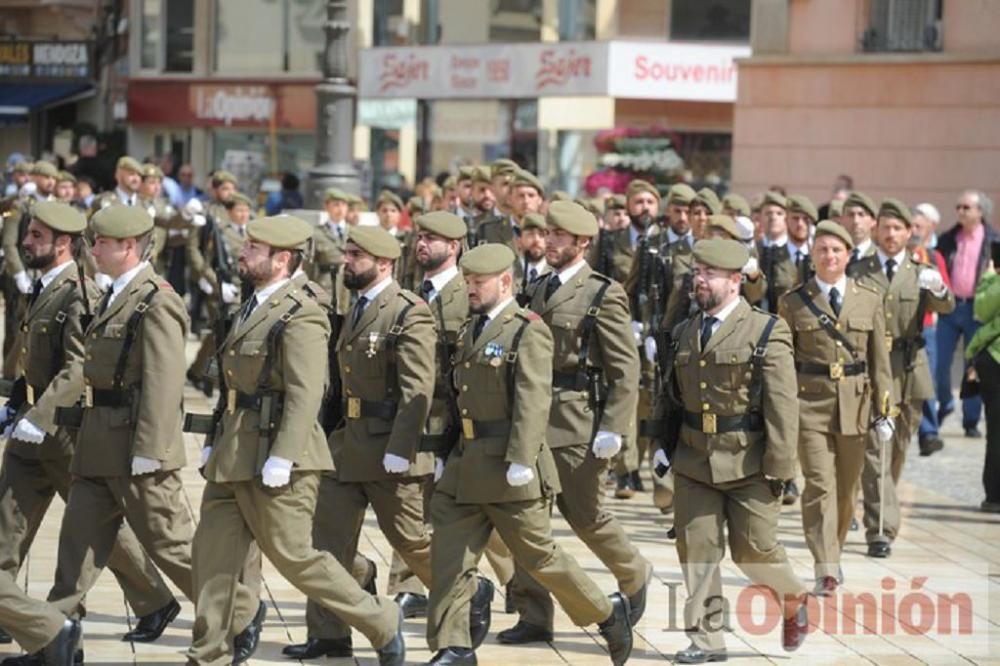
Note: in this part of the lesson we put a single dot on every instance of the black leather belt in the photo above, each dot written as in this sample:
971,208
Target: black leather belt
433,443
106,398
379,409
834,370
570,381
472,429
713,424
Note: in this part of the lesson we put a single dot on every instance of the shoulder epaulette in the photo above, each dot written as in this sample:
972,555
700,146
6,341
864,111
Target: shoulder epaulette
867,287
528,315
601,277
295,295
410,297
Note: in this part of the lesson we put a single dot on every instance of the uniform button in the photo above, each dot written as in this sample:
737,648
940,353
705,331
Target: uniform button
888,315
347,370
702,363
465,412
838,326
702,385
705,406
464,387
229,372
24,350
90,357
888,297
232,352
93,336
350,348
839,343
467,364
734,359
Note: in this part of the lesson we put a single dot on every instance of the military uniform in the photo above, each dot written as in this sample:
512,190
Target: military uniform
784,267
32,623
325,268
274,387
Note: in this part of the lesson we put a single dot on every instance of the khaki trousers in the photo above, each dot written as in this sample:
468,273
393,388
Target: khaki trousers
745,510
461,532
279,519
872,486
32,623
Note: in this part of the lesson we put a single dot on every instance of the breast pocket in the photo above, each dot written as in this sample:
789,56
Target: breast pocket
732,368
565,335
858,331
250,355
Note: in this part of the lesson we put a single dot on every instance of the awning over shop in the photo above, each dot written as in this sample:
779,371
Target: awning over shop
20,99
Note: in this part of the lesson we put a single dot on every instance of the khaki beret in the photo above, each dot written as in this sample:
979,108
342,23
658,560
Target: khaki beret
863,200
481,175
152,171
450,183
59,216
222,176
681,194
593,206
443,224
831,228
66,177
729,255
571,217
284,232
639,185
376,241
355,200
43,168
487,259
533,221
707,197
22,167
897,209
503,166
560,195
416,205
726,224
774,198
333,194
800,203
239,199
836,208
389,197
615,202
737,204
118,221
466,173
523,177
129,164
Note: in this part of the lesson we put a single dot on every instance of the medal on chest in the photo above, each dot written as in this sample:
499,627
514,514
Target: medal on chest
372,341
494,352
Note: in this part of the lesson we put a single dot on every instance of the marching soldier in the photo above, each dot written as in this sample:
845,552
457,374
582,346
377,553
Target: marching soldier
594,383
128,176
528,196
838,327
65,188
785,260
37,458
329,239
859,217
491,190
530,267
910,289
615,213
37,626
501,474
169,232
265,457
736,445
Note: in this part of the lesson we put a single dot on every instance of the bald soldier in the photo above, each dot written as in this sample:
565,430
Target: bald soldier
845,388
501,474
910,289
594,384
37,458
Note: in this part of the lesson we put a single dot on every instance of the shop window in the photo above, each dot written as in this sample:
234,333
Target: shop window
710,20
253,156
166,35
577,20
903,25
515,20
269,36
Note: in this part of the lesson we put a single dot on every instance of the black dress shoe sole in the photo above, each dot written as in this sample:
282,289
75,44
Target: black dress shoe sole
702,659
524,637
135,637
879,552
301,652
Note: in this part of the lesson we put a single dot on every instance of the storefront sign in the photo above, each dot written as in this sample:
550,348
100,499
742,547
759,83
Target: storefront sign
674,71
387,113
45,60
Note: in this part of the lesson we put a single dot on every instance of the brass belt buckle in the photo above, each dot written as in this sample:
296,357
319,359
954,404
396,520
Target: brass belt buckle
837,370
354,408
709,426
468,429
88,396
231,400
30,394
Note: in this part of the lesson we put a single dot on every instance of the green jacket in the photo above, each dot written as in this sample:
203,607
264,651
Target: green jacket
987,310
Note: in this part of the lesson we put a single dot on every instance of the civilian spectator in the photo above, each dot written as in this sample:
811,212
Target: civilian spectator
171,188
288,198
97,165
984,355
188,190
842,188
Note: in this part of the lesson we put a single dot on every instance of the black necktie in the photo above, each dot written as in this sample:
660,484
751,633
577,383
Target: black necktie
890,269
706,330
798,258
834,298
855,255
103,305
247,309
35,291
426,288
533,274
478,328
359,309
551,286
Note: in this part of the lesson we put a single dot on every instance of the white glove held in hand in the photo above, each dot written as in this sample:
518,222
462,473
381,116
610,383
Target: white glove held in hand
199,221
206,453
193,207
884,429
637,332
230,292
141,465
438,469
103,281
23,282
751,267
26,431
660,458
650,347
519,475
606,444
277,472
931,280
393,464
205,286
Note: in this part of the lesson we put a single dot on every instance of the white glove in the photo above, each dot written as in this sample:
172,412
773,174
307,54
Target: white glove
29,188
660,458
637,332
26,431
103,281
931,280
519,475
23,282
751,267
277,472
393,464
206,453
193,207
141,465
884,429
650,346
199,221
438,469
230,292
606,444
205,286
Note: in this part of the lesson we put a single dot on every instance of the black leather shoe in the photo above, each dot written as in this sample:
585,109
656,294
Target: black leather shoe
454,656
789,493
636,480
625,489
695,655
617,630
480,615
370,587
412,605
61,650
245,643
672,533
523,632
637,602
38,659
314,648
5,638
879,549
508,601
151,627
394,652
930,445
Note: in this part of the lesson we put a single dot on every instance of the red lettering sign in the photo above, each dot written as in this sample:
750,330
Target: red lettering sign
398,72
556,70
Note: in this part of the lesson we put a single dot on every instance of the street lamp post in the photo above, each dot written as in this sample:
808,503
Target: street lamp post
334,112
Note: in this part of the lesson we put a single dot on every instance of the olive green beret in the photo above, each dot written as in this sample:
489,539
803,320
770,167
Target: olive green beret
43,168
836,208
681,194
239,199
129,164
571,217
615,202
897,209
466,173
355,200
59,216
487,259
481,174
729,255
831,228
333,194
118,221
737,204
639,185
774,198
560,195
593,206
709,199
503,166
443,224
863,200
416,205
66,177
376,241
450,183
528,179
800,203
389,197
533,221
725,223
152,171
22,167
284,232
222,176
